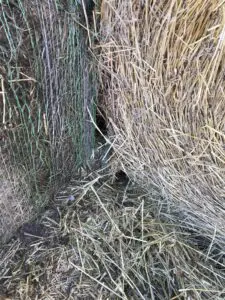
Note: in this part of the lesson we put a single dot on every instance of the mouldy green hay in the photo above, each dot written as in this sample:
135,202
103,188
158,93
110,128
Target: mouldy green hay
47,87
165,99
111,243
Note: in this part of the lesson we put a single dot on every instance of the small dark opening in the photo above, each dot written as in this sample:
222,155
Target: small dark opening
121,177
101,122
89,7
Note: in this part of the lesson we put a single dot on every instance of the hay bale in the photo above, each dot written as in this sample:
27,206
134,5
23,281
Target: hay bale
47,92
162,65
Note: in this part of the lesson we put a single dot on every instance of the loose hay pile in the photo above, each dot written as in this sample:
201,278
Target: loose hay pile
162,66
111,244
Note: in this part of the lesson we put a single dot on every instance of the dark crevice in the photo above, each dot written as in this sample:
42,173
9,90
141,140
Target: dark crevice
121,177
89,6
101,122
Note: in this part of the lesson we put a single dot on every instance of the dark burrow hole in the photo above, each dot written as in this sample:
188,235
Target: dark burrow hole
121,177
101,122
89,6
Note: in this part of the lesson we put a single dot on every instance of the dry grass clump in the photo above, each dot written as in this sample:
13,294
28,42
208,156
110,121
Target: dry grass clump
110,243
162,65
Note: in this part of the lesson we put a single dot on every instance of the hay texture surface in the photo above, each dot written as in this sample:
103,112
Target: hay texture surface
162,65
110,242
47,87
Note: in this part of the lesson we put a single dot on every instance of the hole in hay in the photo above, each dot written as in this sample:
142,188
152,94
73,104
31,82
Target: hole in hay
89,6
101,122
121,177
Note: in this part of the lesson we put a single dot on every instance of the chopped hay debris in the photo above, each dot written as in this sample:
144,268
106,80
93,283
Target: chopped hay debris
111,244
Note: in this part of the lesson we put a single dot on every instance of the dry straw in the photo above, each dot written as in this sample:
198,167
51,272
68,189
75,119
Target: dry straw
160,238
162,63
109,243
